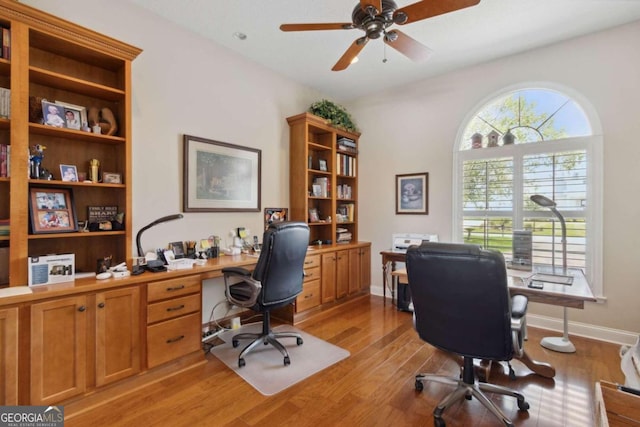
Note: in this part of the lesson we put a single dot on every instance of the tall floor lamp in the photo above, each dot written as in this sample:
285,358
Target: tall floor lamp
561,344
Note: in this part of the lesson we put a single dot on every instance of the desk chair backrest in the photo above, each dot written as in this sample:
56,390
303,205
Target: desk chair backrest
281,261
461,299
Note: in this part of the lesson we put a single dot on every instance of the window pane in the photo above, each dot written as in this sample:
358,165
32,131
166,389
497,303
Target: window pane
532,115
488,185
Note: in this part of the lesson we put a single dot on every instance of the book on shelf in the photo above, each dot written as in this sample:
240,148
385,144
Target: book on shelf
325,186
343,235
347,211
5,161
6,42
5,103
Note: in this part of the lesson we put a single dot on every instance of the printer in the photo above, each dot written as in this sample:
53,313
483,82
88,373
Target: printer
401,241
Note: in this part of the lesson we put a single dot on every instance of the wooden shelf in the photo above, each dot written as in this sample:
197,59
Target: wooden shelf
76,235
72,134
48,78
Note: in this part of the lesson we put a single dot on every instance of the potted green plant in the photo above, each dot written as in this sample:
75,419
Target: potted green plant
334,113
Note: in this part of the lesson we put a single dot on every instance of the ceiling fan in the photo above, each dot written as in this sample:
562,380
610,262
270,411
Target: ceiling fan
374,17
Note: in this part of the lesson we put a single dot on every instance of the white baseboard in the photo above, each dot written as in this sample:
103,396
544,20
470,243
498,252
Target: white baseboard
596,332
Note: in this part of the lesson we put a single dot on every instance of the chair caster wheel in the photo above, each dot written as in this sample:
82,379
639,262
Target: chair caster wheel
299,341
419,386
235,343
241,363
287,361
439,422
523,406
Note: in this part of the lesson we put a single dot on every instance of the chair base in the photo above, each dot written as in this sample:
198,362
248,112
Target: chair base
469,389
266,337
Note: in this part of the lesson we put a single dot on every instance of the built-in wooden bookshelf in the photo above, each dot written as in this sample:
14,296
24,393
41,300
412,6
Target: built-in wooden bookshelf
324,157
56,60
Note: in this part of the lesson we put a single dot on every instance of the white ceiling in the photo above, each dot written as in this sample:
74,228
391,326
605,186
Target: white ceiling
492,29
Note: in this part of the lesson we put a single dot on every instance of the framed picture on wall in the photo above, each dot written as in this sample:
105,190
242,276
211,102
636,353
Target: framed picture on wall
412,193
220,177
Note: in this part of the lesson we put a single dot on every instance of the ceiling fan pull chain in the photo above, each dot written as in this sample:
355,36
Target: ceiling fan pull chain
384,53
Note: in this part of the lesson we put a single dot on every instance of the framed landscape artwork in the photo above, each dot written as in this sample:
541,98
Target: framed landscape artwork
220,177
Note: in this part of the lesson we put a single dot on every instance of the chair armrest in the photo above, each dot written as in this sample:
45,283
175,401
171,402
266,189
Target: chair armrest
236,271
519,306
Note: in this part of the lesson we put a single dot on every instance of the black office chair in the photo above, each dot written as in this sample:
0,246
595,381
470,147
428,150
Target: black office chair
462,305
275,282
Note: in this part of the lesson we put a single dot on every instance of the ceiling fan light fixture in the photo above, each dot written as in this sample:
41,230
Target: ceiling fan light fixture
354,60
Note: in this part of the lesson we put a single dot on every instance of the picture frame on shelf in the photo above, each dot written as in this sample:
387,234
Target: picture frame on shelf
272,215
53,114
178,249
322,165
313,215
82,111
111,178
72,118
220,177
412,194
316,190
68,173
51,210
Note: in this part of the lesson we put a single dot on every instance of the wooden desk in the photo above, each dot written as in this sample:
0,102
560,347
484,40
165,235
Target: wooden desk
573,296
389,260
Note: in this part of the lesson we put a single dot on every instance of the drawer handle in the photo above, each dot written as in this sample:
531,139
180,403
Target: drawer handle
308,262
180,307
176,288
82,308
176,339
101,305
308,296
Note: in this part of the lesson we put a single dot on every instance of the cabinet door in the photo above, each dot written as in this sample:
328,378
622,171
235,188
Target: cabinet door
117,334
328,277
354,270
9,356
342,273
365,267
58,349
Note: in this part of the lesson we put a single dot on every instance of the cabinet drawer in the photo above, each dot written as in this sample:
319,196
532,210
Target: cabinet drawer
173,338
172,288
311,274
311,261
173,308
310,296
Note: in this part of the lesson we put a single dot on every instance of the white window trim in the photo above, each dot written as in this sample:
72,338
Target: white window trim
593,144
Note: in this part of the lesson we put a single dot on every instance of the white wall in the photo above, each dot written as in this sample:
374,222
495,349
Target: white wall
184,84
424,118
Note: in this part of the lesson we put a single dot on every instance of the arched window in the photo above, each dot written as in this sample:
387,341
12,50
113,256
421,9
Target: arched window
523,142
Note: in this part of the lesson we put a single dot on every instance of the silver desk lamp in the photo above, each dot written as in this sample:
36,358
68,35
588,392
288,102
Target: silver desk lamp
561,344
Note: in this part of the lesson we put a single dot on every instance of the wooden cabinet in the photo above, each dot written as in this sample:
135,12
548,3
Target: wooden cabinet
58,61
9,356
323,178
117,336
342,273
328,274
58,349
174,321
310,296
615,407
61,350
359,269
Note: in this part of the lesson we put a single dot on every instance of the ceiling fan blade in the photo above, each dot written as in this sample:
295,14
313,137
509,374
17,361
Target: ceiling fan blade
409,47
315,27
428,8
350,54
376,4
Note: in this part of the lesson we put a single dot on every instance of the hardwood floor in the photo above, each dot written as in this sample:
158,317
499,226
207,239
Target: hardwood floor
373,387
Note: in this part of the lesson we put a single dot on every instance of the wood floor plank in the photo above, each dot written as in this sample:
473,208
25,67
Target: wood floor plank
372,387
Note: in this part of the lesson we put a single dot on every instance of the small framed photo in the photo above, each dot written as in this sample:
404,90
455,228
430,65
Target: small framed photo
72,118
313,215
412,192
316,190
272,215
53,114
51,210
69,173
322,164
111,178
79,113
178,249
